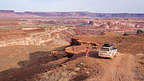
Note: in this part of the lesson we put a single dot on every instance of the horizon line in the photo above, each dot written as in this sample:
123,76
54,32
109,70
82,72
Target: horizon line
71,11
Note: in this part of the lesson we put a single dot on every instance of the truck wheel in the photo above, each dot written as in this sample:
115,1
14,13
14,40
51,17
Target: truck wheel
111,57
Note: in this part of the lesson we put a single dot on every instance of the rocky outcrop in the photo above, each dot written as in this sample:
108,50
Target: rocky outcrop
79,46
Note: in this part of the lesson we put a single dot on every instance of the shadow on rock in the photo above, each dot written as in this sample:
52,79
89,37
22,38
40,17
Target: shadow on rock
31,67
36,65
80,77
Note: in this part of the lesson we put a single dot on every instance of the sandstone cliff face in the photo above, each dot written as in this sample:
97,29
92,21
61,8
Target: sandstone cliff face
38,39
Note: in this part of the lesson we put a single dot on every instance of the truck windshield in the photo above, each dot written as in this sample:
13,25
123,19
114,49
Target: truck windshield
104,49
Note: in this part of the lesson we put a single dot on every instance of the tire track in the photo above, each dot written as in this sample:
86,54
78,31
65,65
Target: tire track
124,71
121,69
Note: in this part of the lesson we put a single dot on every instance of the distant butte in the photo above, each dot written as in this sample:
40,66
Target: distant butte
71,14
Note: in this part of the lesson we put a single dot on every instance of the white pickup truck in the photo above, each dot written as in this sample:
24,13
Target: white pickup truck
107,51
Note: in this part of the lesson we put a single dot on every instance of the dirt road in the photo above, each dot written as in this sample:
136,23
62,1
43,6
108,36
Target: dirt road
121,68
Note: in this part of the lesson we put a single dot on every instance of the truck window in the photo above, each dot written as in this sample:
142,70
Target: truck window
104,49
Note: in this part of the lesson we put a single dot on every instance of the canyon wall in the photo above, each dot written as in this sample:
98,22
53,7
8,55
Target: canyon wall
41,38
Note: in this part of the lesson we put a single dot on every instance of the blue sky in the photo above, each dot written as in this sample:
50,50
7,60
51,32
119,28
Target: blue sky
99,6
